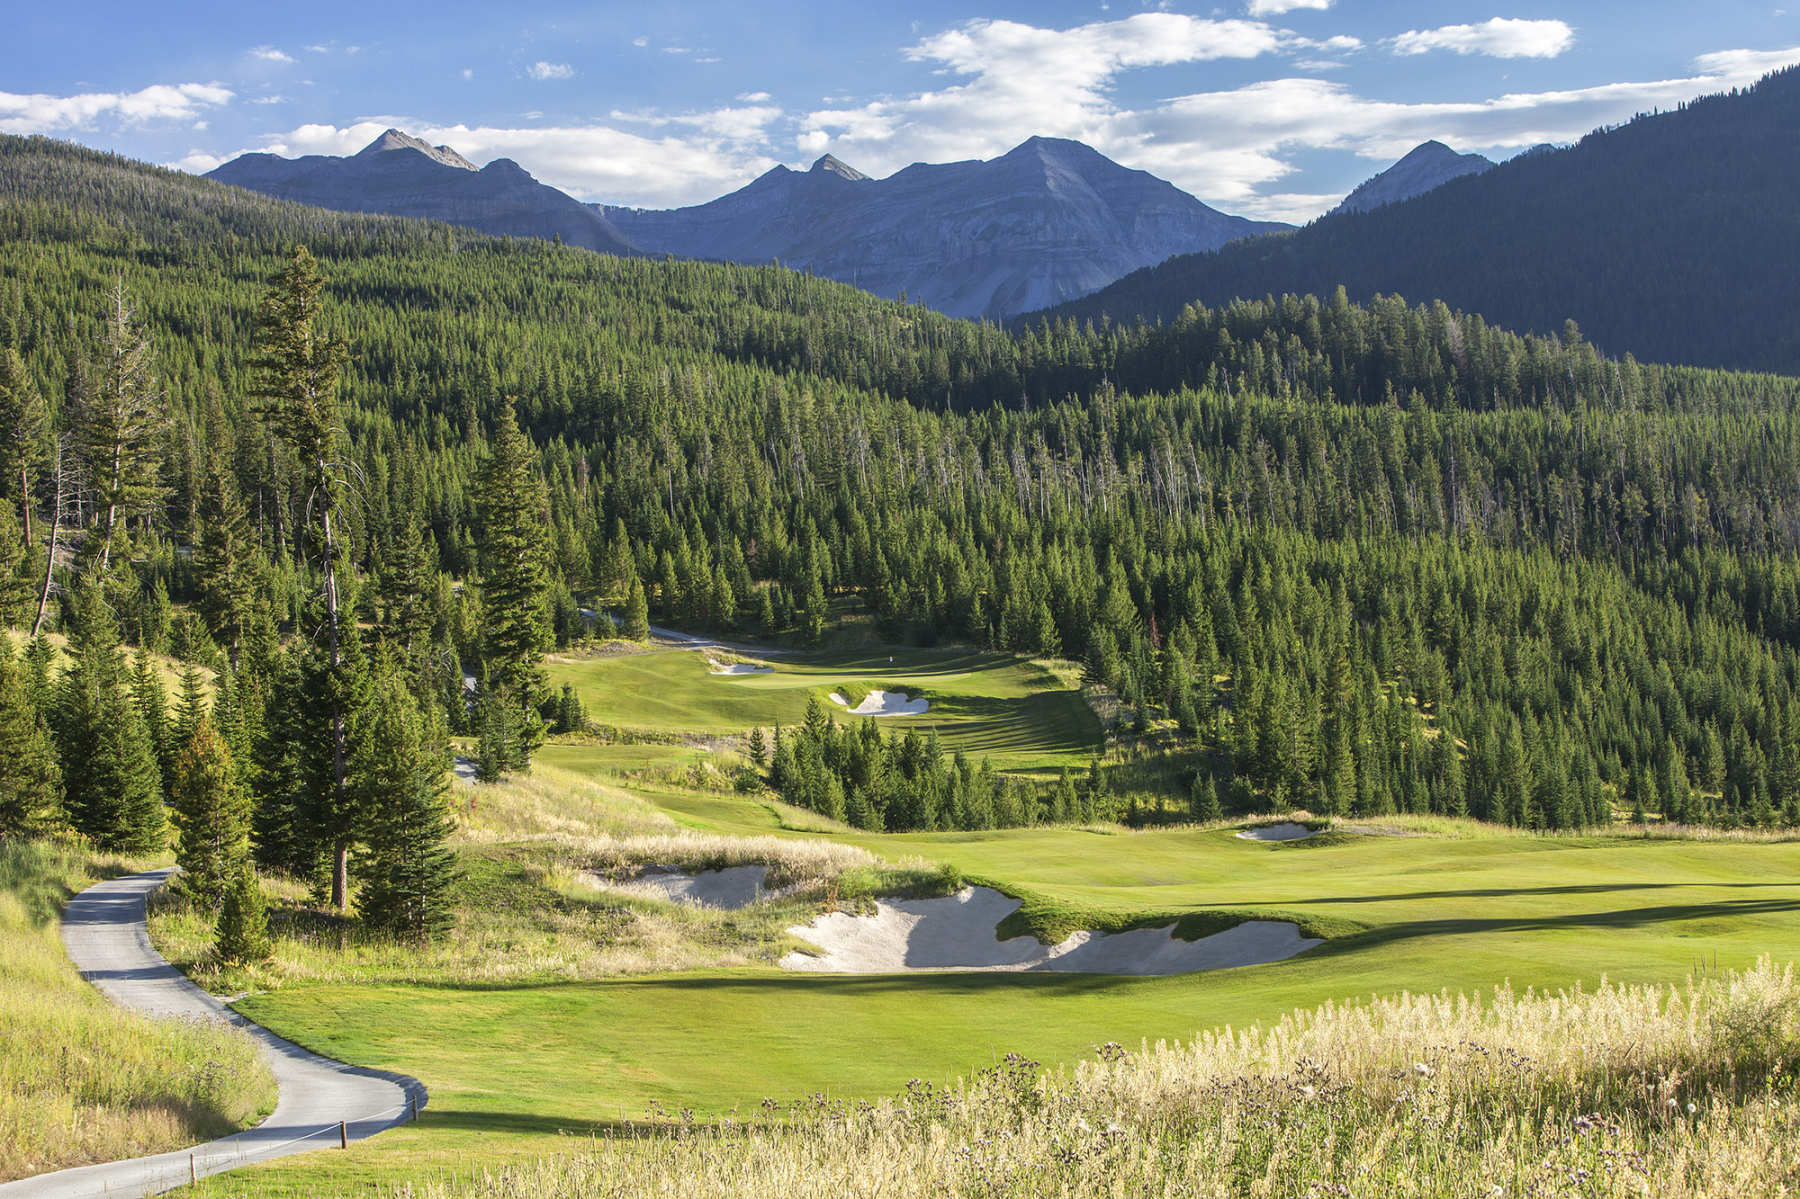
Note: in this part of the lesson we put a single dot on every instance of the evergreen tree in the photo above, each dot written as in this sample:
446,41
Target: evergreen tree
243,930
758,750
296,378
212,815
1203,798
111,779
225,562
495,738
30,781
120,428
400,771
515,580
637,613
24,438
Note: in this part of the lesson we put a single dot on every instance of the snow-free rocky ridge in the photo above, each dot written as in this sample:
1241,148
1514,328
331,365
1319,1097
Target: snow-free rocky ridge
103,929
401,175
1047,221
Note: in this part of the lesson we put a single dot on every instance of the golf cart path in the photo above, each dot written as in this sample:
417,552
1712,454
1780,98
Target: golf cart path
103,928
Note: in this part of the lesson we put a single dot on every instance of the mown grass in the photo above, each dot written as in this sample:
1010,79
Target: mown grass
1017,713
1617,1091
81,1080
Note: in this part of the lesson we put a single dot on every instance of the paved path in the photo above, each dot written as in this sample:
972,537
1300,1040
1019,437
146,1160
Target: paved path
103,928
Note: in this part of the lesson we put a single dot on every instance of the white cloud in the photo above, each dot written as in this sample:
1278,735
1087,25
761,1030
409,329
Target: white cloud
196,162
592,162
753,97
39,113
732,125
1274,8
1747,64
1501,37
269,100
550,70
1057,80
271,54
468,72
640,42
318,49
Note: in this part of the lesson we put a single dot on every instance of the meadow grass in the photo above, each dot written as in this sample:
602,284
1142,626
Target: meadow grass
1616,1091
532,852
1017,713
82,1080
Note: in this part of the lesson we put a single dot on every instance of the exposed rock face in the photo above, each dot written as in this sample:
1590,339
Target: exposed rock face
1048,221
1425,168
400,175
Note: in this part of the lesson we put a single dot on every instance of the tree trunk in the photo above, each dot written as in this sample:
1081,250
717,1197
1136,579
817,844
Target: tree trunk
56,511
25,500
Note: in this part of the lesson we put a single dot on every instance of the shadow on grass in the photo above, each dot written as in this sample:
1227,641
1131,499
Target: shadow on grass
1571,889
1623,919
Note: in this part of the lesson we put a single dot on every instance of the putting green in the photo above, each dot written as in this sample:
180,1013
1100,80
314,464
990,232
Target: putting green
995,706
514,1069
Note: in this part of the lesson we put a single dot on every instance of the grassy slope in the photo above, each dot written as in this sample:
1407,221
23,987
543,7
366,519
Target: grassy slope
994,706
512,1068
81,1081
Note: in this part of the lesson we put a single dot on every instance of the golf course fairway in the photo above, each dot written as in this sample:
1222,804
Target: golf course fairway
516,1071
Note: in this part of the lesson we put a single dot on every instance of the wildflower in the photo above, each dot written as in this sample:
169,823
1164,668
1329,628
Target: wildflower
1692,1109
1307,1092
1423,1071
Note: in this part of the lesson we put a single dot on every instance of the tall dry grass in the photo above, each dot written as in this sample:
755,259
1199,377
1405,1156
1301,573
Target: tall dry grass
529,908
81,1080
1618,1091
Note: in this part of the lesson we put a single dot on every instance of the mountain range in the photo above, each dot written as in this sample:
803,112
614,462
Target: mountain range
401,175
1672,237
1049,220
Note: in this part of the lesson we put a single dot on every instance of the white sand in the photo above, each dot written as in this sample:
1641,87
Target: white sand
1279,832
884,703
958,933
742,668
729,889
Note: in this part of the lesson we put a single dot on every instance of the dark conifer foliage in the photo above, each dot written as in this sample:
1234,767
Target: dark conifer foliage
514,566
400,772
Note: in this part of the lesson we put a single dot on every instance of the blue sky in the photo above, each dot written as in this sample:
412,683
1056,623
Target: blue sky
1270,108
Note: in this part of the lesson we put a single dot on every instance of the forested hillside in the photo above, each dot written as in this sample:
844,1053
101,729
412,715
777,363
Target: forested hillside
1671,237
1357,558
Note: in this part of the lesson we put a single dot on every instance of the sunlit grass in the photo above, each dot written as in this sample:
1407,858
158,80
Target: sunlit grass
1617,1091
82,1080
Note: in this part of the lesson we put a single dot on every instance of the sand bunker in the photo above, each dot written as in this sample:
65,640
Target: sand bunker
741,668
728,890
958,932
1280,832
884,703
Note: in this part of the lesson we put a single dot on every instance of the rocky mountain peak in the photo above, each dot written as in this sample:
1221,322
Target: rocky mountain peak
832,164
398,139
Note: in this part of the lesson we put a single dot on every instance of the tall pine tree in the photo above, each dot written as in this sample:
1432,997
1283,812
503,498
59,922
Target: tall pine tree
296,379
515,579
